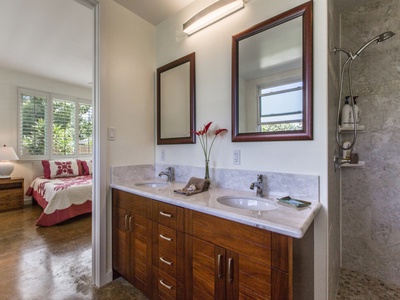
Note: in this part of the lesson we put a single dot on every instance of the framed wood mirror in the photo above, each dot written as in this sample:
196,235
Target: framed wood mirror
272,79
176,102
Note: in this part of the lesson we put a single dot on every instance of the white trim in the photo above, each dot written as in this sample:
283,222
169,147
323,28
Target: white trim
100,275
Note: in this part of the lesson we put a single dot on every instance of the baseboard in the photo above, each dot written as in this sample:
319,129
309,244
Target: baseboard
27,200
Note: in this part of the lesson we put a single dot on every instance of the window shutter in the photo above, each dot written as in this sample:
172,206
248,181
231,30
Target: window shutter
32,124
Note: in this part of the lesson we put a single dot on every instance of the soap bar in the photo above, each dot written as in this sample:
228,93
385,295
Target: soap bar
294,202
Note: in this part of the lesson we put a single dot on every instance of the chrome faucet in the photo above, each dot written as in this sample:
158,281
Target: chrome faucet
258,185
169,172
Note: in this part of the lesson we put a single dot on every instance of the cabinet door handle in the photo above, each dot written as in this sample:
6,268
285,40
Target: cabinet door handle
165,238
230,269
169,263
130,223
220,265
126,222
165,285
164,214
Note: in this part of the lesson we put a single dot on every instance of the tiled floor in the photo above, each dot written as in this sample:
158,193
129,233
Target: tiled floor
51,263
355,286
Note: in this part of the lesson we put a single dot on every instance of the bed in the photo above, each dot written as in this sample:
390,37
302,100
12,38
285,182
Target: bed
64,192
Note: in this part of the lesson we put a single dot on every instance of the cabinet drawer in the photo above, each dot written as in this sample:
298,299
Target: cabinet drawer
11,194
169,239
137,204
243,239
166,287
168,215
168,262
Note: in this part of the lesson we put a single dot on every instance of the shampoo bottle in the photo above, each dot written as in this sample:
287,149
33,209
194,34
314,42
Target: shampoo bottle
356,111
347,114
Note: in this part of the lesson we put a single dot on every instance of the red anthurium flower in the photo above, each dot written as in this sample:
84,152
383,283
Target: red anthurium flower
206,127
220,130
203,137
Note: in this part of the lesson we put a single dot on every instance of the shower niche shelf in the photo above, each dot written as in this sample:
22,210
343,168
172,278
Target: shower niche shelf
361,164
351,129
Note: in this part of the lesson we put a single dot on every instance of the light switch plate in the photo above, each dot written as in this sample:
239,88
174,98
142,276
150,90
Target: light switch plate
111,133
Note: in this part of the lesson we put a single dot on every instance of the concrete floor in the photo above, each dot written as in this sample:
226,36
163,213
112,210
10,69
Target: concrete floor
51,263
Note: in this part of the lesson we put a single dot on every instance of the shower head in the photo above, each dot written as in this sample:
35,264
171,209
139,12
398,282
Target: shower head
378,39
385,36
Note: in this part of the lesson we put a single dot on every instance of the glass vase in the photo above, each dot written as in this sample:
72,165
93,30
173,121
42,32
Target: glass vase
207,171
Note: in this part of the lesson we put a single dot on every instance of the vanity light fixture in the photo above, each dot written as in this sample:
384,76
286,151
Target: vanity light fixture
6,167
211,14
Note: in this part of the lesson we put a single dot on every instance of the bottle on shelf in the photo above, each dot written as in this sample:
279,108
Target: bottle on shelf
356,111
347,114
346,152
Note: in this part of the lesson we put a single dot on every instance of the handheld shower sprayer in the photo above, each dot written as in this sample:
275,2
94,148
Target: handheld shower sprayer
378,39
351,57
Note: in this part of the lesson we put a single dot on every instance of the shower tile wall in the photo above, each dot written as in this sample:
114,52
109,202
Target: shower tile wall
334,178
371,196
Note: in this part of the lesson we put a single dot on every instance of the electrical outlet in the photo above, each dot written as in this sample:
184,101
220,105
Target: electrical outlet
236,157
162,154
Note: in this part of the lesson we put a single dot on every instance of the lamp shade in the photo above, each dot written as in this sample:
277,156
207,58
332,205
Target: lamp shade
6,167
8,153
211,14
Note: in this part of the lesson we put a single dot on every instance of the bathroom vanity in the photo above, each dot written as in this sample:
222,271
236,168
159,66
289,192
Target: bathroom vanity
171,246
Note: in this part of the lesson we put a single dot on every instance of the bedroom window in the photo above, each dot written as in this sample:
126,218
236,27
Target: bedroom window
53,126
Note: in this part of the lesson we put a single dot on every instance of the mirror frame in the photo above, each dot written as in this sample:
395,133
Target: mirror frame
191,139
305,12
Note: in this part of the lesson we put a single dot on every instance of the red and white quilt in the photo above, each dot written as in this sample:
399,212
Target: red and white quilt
61,198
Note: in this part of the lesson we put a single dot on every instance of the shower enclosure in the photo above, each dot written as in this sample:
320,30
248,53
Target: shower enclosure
370,205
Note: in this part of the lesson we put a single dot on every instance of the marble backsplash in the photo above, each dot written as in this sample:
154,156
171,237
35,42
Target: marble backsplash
305,187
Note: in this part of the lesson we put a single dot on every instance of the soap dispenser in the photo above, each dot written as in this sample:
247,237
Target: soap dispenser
347,113
356,111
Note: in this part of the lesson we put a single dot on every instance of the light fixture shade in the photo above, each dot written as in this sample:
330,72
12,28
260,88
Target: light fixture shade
8,153
211,14
6,167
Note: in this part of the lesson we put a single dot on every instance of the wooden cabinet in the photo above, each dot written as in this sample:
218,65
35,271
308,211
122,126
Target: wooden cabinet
169,252
236,261
11,193
132,243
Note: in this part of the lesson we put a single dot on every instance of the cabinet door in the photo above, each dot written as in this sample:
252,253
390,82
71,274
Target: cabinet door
140,253
120,240
247,277
205,269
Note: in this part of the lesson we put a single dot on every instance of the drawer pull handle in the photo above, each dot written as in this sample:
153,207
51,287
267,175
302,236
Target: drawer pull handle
169,263
130,223
165,238
164,214
126,222
219,265
165,285
230,271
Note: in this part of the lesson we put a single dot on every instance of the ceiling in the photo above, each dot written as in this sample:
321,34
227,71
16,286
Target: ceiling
154,11
53,38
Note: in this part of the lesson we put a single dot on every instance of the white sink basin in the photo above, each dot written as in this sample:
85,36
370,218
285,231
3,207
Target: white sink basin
152,184
248,203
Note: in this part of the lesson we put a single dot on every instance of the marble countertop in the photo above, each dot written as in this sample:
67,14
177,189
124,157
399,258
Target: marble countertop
282,219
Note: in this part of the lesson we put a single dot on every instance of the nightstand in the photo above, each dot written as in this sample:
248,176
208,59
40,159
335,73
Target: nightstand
11,193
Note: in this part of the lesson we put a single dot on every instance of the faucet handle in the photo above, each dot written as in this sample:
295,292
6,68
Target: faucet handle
259,178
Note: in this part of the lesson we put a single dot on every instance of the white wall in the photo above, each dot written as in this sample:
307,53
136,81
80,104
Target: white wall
127,67
9,82
213,103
